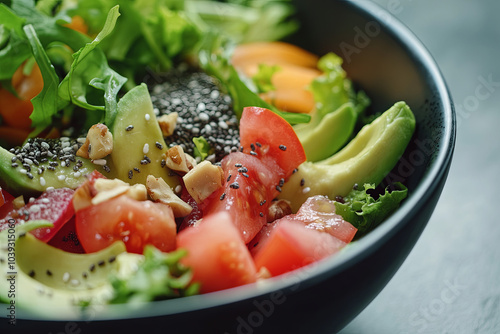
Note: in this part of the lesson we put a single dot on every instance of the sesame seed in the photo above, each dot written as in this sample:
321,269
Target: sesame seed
61,177
222,196
130,174
129,128
283,147
302,182
137,169
159,145
100,162
282,182
42,181
262,202
261,214
32,273
245,174
147,117
48,272
253,153
229,177
234,185
178,189
258,144
238,165
306,190
145,148
65,277
278,188
252,146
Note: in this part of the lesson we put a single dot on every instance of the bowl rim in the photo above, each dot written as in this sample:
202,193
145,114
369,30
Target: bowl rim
334,265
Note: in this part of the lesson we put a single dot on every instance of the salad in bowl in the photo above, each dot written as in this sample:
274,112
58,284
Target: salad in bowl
160,150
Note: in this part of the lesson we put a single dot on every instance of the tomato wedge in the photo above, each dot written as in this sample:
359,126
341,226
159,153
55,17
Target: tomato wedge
53,205
271,138
217,254
291,245
271,151
136,223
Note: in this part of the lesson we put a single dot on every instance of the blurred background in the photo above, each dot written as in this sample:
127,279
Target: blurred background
450,283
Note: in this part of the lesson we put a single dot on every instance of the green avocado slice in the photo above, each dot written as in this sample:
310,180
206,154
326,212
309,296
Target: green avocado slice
47,281
367,158
137,135
323,137
14,181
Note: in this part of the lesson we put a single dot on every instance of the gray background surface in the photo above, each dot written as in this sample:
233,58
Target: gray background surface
450,283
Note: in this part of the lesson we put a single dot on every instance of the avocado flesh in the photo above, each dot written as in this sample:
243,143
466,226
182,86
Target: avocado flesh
57,294
128,145
323,137
368,158
17,183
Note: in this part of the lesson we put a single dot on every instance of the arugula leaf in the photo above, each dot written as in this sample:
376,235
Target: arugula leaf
47,102
90,67
202,148
160,276
364,211
262,78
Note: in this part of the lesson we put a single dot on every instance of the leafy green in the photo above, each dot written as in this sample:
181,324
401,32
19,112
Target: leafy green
244,21
46,103
333,89
90,67
262,78
365,211
202,148
160,276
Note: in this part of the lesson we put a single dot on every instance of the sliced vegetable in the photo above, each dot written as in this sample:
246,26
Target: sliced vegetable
291,246
136,223
54,206
368,158
217,254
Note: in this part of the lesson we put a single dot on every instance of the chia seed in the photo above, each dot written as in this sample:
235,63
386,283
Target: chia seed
197,99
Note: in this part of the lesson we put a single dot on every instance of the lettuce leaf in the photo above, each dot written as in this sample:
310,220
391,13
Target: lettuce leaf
365,211
263,77
160,276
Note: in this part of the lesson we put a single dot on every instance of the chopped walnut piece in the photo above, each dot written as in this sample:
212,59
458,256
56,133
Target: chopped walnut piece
167,123
278,209
160,191
203,180
98,144
176,159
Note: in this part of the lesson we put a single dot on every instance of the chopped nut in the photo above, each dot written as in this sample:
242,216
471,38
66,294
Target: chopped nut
176,159
82,197
108,189
190,161
98,144
160,191
203,180
167,123
278,209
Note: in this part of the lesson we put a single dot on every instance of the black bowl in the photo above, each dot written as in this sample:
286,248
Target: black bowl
386,60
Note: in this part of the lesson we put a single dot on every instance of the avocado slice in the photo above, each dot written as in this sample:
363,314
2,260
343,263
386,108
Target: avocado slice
138,144
322,137
367,158
17,182
49,282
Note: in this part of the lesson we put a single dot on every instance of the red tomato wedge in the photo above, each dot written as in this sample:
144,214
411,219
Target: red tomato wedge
291,246
217,254
250,186
136,223
317,213
271,138
271,151
54,205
